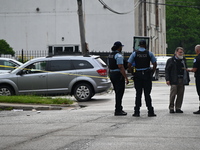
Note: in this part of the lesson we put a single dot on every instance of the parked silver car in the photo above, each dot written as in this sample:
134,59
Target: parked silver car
76,75
8,64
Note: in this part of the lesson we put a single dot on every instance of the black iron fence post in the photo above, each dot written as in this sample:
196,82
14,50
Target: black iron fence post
22,56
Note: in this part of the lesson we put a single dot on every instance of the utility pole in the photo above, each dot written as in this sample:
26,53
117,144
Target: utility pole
140,18
82,28
157,27
145,18
157,15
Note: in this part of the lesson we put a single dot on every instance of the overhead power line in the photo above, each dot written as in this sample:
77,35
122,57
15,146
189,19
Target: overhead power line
114,11
139,2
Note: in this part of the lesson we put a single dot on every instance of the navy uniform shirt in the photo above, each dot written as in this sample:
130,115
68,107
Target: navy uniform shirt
196,64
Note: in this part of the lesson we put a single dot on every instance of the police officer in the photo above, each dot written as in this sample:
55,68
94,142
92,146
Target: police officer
117,76
143,77
196,70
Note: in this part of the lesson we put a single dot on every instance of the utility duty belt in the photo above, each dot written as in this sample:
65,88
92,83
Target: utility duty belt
143,74
147,70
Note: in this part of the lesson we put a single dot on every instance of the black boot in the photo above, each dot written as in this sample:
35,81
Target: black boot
197,112
136,112
151,112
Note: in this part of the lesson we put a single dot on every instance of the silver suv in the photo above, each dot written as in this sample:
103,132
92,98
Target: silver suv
75,75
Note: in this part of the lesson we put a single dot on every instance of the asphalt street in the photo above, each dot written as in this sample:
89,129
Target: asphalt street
94,126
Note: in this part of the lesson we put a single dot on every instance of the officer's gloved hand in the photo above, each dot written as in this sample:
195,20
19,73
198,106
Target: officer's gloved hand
152,72
133,75
127,82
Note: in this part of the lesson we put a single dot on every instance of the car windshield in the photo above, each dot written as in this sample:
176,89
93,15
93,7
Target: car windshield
162,59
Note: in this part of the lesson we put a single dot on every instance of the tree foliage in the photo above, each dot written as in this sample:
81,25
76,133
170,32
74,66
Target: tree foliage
183,25
5,48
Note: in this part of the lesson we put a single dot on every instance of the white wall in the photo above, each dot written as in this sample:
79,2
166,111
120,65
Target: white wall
103,27
25,28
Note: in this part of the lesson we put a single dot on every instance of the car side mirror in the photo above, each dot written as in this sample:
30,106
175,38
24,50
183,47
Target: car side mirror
21,72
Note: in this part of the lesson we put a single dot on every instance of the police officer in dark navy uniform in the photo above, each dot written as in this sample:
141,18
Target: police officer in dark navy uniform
143,77
196,70
117,76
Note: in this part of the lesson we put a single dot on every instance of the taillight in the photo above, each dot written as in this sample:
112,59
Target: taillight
102,72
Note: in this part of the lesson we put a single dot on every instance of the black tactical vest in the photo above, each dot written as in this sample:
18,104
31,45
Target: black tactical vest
142,59
112,63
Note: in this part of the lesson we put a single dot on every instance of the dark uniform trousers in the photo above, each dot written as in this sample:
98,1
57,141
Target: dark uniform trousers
197,81
118,82
143,82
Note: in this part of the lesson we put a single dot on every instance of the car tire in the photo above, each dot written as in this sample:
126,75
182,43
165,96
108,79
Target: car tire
83,92
6,91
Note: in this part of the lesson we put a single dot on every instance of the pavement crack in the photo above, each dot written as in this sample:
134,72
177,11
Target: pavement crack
117,125
79,144
100,117
34,138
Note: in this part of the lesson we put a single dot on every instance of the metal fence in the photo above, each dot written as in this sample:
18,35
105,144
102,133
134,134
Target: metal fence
25,55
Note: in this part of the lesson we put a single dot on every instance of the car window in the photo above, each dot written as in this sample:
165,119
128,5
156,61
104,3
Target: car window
6,65
60,65
81,64
101,62
14,63
38,67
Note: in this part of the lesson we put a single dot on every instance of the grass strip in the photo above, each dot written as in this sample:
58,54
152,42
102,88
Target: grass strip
27,99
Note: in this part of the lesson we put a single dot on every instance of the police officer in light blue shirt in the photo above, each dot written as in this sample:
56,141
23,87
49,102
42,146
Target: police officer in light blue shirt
117,76
143,77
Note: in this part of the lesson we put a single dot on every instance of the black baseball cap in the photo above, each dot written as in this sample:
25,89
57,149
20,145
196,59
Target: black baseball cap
142,42
118,44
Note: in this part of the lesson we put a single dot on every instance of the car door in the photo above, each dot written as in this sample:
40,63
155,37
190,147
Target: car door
34,78
61,74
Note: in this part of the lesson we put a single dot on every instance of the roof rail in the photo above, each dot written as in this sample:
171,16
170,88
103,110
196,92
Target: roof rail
64,54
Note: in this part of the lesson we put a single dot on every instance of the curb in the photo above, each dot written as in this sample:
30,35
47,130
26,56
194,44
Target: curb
30,107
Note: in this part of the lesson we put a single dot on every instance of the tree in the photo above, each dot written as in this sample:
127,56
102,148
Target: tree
5,48
197,3
183,26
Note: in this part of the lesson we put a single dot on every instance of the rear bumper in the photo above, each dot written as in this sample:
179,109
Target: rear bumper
103,87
